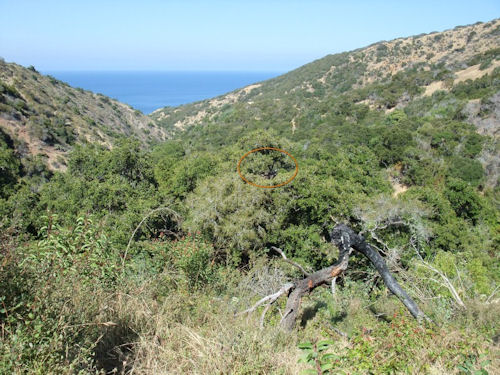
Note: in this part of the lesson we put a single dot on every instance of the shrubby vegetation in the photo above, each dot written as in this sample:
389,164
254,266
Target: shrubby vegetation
138,258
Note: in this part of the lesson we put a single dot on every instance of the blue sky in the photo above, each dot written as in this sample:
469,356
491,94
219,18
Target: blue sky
270,35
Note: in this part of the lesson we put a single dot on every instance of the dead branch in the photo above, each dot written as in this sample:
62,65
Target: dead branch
264,315
332,287
346,240
339,332
359,244
316,279
492,294
282,253
446,282
270,298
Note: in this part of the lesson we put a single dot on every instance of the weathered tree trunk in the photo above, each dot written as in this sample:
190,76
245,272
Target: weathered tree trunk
345,238
312,281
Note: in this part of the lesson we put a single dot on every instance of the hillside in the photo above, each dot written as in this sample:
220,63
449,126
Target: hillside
383,76
47,117
180,258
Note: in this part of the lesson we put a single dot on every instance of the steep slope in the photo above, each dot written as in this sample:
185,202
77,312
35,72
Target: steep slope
383,76
46,116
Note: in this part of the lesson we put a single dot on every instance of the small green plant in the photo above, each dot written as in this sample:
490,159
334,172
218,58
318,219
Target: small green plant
313,356
474,365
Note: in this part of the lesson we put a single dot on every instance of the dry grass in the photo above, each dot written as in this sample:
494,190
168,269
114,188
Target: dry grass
191,333
155,325
197,333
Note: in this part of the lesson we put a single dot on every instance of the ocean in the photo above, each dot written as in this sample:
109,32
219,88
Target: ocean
148,91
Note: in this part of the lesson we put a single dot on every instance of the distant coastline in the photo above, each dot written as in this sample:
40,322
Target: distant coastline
150,90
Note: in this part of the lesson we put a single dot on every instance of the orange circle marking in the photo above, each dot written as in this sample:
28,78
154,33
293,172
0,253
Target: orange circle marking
265,186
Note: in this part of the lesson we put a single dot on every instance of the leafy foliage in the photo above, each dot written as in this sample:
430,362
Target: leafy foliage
40,285
313,355
409,171
369,348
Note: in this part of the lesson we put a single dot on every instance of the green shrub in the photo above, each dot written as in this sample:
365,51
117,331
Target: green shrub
10,166
463,199
466,169
401,346
194,258
48,295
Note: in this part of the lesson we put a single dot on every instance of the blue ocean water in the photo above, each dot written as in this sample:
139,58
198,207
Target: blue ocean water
148,91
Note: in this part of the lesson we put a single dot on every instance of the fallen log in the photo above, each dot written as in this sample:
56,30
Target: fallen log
346,240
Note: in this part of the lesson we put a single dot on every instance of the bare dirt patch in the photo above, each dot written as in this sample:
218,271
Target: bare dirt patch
433,87
473,72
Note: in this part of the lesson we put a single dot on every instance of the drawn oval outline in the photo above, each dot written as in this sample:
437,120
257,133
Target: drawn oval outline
266,186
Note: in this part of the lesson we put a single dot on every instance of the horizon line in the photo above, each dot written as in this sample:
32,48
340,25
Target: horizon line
161,70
